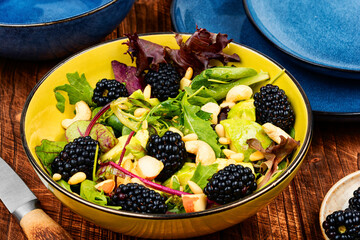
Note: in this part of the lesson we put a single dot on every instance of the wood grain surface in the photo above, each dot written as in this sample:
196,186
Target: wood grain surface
334,153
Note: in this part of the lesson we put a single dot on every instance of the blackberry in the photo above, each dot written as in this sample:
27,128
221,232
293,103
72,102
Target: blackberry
77,156
165,82
354,202
134,197
230,184
170,150
108,90
272,106
342,225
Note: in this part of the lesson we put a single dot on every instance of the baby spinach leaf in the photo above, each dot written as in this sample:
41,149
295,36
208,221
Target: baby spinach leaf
218,90
89,192
202,175
64,184
47,152
225,74
78,89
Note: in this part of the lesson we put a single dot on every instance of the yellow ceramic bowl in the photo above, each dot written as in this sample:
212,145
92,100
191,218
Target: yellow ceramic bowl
41,120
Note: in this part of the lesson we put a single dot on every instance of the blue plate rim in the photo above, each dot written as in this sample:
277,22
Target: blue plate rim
61,20
303,60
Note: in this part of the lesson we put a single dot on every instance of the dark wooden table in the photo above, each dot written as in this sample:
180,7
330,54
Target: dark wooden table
334,153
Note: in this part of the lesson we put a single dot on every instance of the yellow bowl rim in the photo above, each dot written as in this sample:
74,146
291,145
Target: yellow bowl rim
293,165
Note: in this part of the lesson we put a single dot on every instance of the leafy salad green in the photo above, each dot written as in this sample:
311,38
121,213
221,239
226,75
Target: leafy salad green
123,134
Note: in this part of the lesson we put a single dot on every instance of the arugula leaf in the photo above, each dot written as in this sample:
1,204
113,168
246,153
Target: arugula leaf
202,175
194,124
78,89
204,115
47,152
89,192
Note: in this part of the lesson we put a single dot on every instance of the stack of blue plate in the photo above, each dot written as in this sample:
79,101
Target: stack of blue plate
316,41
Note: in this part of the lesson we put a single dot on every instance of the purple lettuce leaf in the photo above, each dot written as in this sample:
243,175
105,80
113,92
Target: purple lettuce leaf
147,53
199,49
196,52
127,74
274,154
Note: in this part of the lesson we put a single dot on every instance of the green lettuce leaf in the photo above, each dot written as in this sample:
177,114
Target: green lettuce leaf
78,89
47,152
202,175
89,192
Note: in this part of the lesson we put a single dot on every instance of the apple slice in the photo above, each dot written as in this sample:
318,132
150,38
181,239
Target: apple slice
107,186
194,202
149,167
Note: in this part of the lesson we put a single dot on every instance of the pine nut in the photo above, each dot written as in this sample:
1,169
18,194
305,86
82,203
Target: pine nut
184,82
238,157
190,137
256,156
144,125
77,178
220,130
56,177
140,112
196,189
228,152
224,141
147,92
189,73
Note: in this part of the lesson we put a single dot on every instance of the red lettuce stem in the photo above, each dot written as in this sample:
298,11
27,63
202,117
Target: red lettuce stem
126,143
96,117
149,183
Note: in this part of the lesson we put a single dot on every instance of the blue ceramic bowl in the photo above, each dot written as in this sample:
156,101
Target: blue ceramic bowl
49,29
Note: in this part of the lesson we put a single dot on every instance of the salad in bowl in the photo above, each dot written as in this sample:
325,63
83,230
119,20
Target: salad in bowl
160,139
175,127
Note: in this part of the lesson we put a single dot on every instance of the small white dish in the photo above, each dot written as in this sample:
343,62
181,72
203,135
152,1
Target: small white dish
337,198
